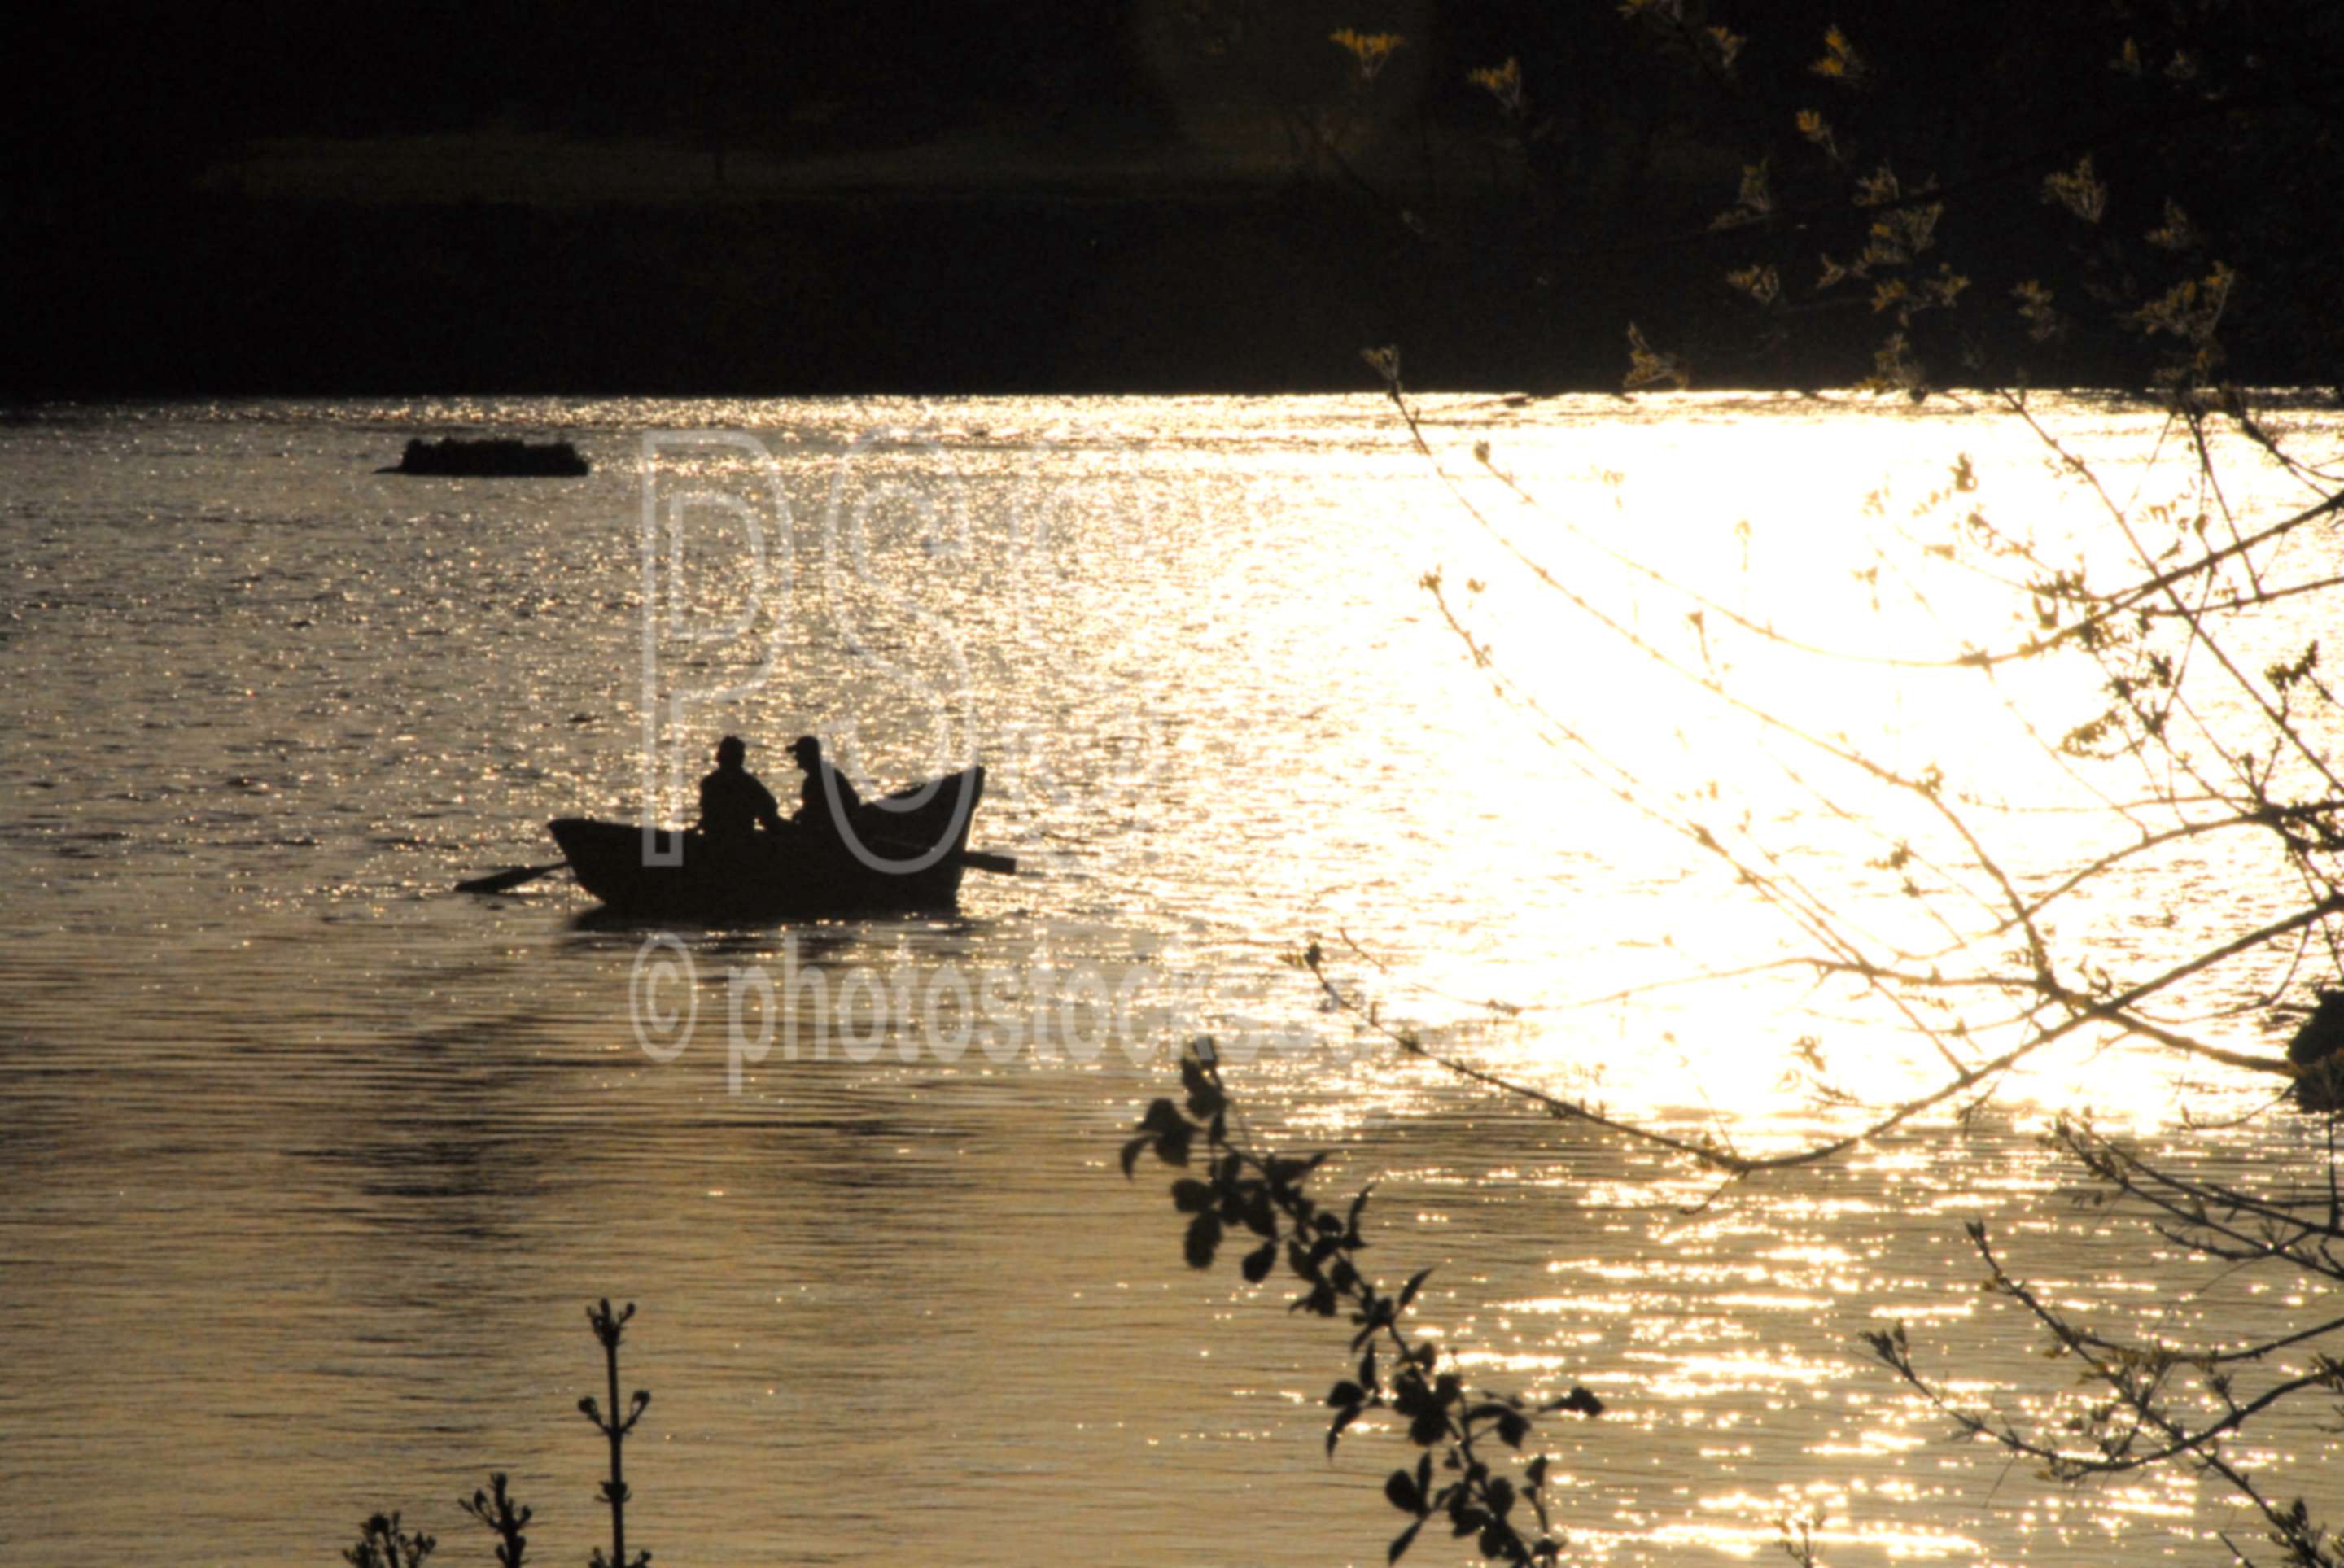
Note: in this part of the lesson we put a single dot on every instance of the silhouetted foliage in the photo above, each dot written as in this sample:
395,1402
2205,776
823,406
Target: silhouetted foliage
1996,201
1946,172
2139,1402
1262,1199
609,1329
499,1514
383,1544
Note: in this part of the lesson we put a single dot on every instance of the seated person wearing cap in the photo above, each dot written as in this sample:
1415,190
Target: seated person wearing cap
732,803
823,784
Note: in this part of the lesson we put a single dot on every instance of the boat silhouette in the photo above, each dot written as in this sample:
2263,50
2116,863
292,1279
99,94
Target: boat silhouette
902,852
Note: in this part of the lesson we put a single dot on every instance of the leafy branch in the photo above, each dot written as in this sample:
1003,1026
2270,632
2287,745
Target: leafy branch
2137,1411
1469,1439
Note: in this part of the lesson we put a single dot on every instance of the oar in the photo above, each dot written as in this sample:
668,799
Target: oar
511,876
976,859
984,860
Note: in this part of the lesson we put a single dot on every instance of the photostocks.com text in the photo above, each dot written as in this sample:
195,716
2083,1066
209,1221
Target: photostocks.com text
937,1013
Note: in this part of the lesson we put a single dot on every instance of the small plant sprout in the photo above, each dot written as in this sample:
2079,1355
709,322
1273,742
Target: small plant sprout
609,1327
383,1544
496,1509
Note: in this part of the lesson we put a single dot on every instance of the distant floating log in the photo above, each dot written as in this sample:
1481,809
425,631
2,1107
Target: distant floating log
498,458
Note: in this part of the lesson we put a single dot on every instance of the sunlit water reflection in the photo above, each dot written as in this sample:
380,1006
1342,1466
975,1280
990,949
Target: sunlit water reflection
310,1164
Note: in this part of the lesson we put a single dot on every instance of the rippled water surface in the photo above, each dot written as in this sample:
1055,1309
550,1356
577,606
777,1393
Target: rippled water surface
310,1164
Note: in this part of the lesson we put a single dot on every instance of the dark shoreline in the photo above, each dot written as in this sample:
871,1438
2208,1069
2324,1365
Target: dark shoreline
939,294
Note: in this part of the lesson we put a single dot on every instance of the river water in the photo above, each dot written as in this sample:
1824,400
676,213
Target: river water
311,1165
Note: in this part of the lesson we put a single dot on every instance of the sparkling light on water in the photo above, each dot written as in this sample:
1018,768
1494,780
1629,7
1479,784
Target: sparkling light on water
311,1165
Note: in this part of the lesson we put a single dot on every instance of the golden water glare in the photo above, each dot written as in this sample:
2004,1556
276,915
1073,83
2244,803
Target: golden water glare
303,1148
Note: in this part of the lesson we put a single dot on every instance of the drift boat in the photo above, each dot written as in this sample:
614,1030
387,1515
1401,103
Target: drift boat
915,847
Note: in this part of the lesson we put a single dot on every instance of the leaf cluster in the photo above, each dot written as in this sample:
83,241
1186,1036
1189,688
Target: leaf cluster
498,1512
381,1544
1460,1478
2142,1402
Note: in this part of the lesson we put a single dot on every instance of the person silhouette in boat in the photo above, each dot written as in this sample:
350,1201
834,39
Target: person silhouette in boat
732,803
823,784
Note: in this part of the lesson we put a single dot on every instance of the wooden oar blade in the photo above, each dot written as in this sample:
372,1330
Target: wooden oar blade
511,876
